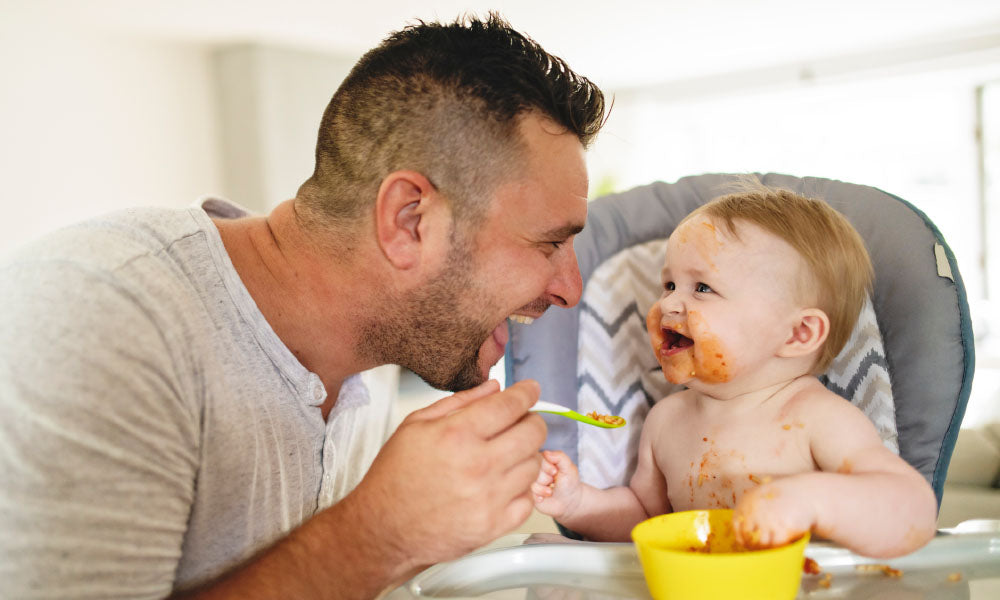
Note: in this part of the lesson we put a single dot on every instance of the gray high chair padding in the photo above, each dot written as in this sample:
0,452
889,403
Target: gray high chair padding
908,364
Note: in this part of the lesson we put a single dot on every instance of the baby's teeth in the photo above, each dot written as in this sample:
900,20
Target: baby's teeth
522,319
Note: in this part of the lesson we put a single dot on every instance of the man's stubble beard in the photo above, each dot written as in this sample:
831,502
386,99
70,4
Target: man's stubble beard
429,333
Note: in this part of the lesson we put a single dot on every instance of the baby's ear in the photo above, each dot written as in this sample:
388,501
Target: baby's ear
809,331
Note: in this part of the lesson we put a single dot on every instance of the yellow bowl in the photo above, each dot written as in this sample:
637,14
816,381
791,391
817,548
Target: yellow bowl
693,554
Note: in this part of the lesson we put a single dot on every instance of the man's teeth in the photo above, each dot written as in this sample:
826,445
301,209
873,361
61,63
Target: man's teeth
522,319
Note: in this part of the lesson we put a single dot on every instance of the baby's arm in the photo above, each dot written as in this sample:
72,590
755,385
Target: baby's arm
558,489
600,515
865,498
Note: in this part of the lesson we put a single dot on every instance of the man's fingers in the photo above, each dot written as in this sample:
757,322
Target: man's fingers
520,442
457,401
517,482
496,413
521,476
518,511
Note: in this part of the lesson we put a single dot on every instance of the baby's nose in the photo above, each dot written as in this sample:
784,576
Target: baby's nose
672,304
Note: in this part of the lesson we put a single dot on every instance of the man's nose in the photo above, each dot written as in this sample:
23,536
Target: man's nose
566,285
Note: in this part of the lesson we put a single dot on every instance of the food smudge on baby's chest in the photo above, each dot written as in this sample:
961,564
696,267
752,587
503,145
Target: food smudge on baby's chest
717,474
716,477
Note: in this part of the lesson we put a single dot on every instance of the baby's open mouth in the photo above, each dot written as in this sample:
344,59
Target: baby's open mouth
673,341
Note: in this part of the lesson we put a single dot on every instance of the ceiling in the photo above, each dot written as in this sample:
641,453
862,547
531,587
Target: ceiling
622,43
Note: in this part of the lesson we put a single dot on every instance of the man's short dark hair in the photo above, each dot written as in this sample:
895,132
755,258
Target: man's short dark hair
443,100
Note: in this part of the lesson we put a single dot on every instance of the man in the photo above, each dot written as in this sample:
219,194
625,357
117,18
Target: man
179,389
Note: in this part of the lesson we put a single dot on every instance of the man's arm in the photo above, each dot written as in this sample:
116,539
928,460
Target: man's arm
453,477
98,445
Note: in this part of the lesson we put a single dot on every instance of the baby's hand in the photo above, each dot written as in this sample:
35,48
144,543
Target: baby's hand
557,488
772,515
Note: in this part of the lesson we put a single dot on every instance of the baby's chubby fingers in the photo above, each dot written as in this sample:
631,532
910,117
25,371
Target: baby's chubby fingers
540,492
546,474
746,530
762,536
542,487
558,460
549,468
766,517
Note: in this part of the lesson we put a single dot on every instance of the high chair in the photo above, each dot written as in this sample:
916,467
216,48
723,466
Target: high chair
908,364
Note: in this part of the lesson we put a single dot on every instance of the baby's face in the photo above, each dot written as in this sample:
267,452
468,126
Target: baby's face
728,304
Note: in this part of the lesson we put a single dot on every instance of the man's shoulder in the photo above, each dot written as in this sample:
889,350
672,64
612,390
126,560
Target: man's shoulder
147,258
111,240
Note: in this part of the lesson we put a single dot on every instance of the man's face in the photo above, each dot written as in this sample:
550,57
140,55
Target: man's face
728,304
520,261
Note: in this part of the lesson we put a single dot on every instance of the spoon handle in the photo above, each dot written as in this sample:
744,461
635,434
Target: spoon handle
549,407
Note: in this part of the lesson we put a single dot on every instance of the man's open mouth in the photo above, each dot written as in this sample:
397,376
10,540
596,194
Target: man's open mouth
527,314
674,341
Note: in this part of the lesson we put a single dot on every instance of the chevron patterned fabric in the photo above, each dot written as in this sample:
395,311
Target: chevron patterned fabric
861,373
617,372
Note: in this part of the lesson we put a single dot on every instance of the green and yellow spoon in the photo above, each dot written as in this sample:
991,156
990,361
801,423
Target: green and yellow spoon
612,422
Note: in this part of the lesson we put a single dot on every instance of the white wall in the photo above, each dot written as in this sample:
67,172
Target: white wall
913,135
271,103
91,123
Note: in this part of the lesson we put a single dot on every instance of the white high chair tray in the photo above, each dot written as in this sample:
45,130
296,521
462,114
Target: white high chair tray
959,563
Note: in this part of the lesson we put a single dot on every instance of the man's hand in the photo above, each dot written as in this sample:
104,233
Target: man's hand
457,474
454,476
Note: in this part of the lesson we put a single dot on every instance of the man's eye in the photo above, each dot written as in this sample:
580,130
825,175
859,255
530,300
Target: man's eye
704,288
557,245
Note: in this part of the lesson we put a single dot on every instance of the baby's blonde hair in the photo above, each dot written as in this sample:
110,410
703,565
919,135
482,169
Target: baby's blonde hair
833,251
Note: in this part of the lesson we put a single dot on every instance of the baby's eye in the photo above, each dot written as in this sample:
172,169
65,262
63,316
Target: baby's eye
703,288
669,286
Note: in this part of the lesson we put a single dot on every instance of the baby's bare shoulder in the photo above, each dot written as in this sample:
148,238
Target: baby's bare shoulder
672,406
828,416
813,400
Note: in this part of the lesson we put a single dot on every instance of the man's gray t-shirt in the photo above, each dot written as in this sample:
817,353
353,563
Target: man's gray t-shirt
154,430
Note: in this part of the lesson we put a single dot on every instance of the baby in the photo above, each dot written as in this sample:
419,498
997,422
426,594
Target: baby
761,290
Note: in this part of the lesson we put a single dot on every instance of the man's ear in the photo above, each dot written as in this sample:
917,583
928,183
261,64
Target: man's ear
411,218
809,331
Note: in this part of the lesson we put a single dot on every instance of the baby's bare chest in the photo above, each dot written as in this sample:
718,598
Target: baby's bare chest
712,466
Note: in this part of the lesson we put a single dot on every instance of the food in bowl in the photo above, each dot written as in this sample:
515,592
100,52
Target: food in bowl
694,554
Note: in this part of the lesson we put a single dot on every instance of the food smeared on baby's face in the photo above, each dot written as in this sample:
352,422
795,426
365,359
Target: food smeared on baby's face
682,340
687,349
701,234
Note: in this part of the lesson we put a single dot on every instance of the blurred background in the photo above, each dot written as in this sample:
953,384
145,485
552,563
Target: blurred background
112,103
